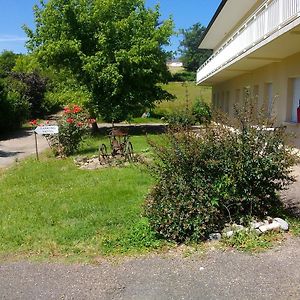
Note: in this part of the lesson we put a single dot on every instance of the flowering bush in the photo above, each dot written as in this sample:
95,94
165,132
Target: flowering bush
73,126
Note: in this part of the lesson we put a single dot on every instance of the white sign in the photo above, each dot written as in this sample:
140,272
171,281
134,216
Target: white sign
46,130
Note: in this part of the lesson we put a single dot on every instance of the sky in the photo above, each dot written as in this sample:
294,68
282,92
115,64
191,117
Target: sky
15,13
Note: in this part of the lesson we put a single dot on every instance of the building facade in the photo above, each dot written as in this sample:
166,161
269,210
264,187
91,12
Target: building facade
256,49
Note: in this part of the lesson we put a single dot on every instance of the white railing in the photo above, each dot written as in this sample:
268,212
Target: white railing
267,19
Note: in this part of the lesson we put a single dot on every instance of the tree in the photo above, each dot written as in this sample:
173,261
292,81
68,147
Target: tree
191,56
7,62
113,47
32,88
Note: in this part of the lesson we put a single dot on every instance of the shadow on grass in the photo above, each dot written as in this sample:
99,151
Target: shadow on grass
138,129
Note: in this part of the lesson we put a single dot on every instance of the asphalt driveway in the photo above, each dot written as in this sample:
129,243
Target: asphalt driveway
217,275
19,145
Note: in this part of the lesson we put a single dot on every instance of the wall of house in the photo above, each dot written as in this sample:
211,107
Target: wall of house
275,87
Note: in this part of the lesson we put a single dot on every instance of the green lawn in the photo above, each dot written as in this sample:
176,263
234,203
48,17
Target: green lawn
52,209
179,90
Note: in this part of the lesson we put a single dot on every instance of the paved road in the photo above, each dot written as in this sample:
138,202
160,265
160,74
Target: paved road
220,275
19,145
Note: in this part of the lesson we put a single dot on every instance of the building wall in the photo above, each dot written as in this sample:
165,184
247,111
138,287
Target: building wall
272,83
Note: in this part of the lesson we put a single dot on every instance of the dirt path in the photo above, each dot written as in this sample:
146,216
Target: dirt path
19,145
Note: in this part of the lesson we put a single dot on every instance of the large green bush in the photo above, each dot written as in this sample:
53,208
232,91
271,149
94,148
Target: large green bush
217,175
13,109
202,112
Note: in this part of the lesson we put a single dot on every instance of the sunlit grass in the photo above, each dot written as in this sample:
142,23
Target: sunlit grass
51,208
182,91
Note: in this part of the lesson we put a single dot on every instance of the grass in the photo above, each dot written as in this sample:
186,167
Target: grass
53,209
180,91
252,242
174,70
145,120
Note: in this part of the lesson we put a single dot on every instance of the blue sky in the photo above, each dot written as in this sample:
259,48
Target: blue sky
15,13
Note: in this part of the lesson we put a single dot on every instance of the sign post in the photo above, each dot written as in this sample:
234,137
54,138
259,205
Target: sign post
43,130
36,147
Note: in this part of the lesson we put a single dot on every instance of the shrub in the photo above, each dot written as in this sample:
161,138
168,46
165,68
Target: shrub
32,88
183,76
202,112
13,109
73,126
217,175
182,118
199,114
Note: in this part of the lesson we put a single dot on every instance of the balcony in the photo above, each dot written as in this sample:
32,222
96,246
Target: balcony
271,20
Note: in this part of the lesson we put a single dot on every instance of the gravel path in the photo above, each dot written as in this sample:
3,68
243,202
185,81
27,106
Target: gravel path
219,275
19,145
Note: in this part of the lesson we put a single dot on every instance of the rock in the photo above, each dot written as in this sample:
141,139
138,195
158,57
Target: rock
146,115
283,224
269,227
215,236
258,231
237,227
228,234
255,225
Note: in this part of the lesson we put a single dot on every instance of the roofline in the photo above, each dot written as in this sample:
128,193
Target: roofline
222,4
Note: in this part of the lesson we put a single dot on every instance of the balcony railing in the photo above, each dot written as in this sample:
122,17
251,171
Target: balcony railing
267,19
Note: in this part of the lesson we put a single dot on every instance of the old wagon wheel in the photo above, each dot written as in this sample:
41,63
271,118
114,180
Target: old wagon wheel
128,151
102,152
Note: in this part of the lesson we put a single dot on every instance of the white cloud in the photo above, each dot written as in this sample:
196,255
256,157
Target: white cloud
12,38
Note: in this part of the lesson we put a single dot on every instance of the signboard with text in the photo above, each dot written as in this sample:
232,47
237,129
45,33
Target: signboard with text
46,130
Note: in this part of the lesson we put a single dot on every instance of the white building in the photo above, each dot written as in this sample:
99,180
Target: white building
256,46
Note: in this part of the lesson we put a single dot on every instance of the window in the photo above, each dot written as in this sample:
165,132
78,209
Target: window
269,97
296,99
227,102
214,100
237,96
218,101
255,94
222,104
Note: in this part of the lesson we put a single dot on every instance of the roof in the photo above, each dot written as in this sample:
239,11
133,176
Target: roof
224,21
213,19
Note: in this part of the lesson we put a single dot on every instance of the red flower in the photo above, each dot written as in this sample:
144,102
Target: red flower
33,122
79,124
76,109
67,110
91,121
70,120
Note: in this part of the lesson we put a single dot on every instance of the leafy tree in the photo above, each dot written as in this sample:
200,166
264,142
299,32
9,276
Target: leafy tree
191,56
7,62
32,88
113,47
